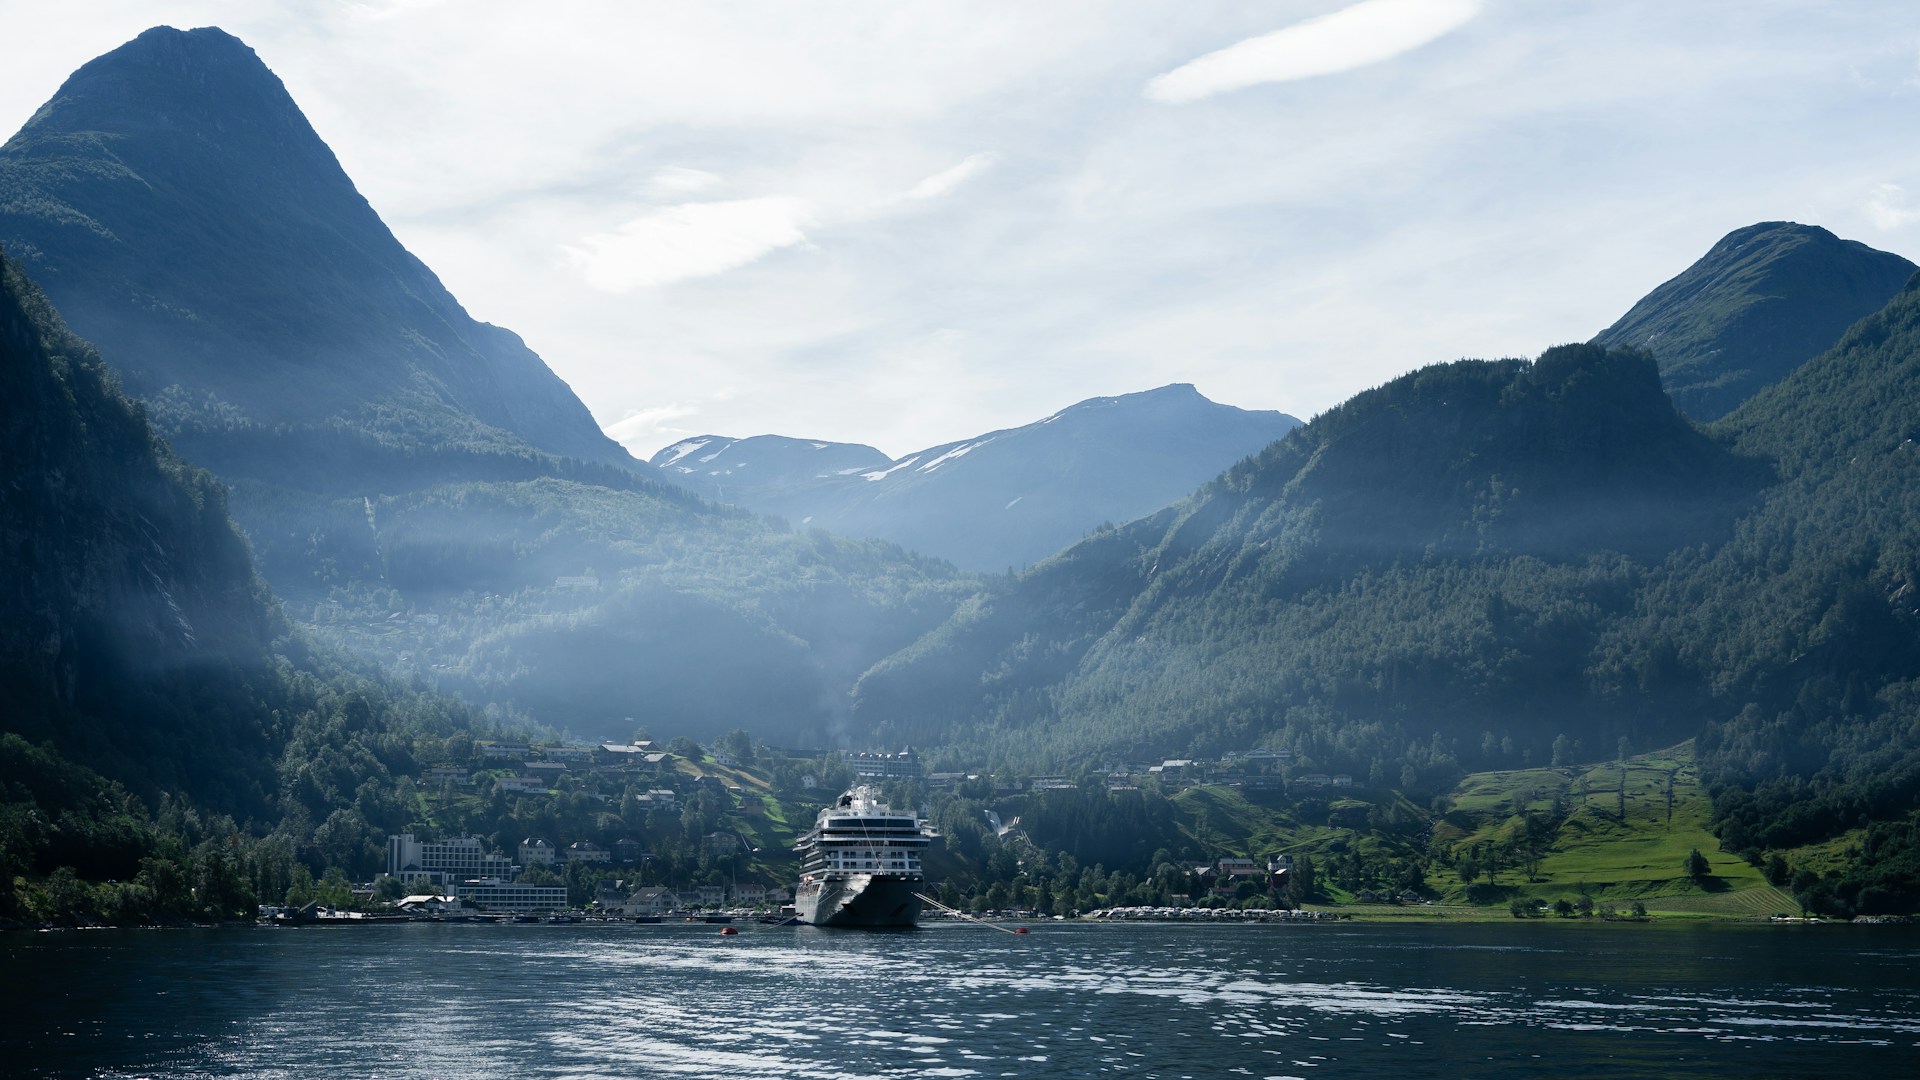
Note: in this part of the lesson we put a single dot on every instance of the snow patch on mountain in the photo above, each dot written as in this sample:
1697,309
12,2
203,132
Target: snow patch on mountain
884,473
959,451
682,449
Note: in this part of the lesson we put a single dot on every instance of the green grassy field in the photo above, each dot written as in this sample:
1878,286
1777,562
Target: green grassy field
1621,832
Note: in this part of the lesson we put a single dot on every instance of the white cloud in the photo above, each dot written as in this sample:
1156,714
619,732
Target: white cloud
1887,207
943,183
691,240
1280,254
676,180
644,431
1352,37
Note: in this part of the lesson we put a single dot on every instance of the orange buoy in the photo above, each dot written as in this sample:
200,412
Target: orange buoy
728,931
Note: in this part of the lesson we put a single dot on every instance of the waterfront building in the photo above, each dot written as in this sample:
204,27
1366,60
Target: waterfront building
494,894
457,858
652,900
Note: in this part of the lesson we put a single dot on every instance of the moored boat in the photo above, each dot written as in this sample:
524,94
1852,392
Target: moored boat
860,864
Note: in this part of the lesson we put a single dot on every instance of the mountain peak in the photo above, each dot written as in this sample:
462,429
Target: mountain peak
175,204
166,45
202,81
1762,301
1576,452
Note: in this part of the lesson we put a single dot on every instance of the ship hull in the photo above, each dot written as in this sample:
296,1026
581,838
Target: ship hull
862,900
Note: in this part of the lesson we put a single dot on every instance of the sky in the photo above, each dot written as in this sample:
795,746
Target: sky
903,223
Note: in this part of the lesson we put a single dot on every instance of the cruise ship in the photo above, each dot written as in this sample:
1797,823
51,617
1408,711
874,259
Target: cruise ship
860,866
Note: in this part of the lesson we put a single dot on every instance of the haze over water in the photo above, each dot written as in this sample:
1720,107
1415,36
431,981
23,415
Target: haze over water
1067,1000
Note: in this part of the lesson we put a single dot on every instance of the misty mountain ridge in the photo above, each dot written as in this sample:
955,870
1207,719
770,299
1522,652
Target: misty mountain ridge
1003,499
387,456
1765,299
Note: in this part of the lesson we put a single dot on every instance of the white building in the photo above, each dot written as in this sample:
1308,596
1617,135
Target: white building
536,851
903,765
493,894
587,851
652,900
453,860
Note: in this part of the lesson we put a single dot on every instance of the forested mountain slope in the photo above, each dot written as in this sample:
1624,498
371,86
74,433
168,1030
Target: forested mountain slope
157,725
1763,301
1432,573
1000,500
1490,565
1807,623
132,618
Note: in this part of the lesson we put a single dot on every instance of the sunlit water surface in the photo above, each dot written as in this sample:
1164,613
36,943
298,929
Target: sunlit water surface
1165,1000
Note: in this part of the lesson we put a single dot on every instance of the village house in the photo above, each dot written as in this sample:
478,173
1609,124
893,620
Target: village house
448,774
653,900
536,851
613,753
611,897
586,851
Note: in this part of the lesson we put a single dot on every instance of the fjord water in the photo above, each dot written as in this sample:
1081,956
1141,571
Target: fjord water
1162,1000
